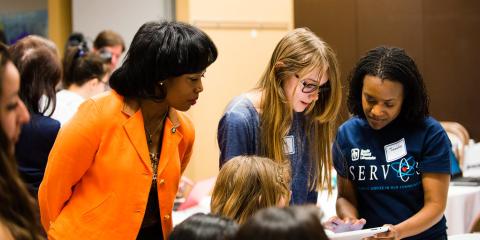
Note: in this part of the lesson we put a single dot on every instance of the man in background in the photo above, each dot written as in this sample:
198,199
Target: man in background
110,46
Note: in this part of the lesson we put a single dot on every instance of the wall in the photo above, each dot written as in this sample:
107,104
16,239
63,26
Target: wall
9,6
122,16
245,37
18,18
442,37
59,22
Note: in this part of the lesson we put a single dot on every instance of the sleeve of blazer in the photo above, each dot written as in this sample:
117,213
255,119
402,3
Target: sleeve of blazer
72,154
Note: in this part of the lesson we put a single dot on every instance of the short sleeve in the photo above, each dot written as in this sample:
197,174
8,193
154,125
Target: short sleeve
436,150
339,160
235,136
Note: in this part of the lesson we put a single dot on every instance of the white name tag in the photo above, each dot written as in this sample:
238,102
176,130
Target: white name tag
396,150
289,146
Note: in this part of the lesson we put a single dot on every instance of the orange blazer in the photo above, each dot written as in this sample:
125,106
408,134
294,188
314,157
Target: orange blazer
99,174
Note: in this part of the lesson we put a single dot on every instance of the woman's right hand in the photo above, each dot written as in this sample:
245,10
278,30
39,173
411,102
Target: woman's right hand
337,225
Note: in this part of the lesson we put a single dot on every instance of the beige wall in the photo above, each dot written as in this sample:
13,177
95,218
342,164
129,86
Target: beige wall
242,58
59,22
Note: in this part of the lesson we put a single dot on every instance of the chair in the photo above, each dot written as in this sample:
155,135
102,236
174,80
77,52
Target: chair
459,137
475,228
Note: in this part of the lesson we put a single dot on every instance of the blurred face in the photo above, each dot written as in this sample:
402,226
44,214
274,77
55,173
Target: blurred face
13,112
381,101
116,52
97,86
302,91
183,91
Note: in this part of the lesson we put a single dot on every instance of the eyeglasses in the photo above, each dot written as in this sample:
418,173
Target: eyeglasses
312,87
105,55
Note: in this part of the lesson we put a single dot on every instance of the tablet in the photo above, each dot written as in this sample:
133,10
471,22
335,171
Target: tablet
356,235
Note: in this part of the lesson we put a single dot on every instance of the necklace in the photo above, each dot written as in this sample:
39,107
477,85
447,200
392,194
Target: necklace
154,157
150,134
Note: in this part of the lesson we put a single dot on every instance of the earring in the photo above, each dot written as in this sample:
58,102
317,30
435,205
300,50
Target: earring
161,83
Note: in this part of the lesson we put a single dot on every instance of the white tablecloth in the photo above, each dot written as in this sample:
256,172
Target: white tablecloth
463,206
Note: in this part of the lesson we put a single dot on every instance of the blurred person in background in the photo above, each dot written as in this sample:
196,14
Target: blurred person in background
110,46
84,75
40,70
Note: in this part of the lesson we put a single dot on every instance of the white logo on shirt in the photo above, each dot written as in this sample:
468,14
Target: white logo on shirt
362,154
355,154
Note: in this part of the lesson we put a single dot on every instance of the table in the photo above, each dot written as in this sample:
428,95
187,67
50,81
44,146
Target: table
463,205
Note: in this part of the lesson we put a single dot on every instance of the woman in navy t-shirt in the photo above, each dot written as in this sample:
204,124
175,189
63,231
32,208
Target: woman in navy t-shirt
392,159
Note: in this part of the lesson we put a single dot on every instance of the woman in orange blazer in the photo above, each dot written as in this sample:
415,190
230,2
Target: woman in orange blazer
114,169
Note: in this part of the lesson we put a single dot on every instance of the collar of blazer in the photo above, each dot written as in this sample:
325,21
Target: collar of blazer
130,107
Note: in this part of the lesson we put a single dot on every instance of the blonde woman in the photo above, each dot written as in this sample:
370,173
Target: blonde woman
291,114
247,184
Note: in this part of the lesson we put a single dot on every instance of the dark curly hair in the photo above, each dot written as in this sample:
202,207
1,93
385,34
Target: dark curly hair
390,63
159,51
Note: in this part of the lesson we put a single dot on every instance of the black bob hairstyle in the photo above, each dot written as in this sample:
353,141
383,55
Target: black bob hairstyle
202,226
159,51
390,63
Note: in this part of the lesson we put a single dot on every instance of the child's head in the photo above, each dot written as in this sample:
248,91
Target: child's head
246,184
303,69
290,223
205,227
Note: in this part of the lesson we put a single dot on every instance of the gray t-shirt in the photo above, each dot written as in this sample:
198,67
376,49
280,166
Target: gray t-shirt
238,134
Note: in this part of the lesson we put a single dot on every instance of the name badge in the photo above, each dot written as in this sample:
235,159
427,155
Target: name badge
289,145
396,150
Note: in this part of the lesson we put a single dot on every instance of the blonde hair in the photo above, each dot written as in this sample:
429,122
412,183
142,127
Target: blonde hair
300,52
247,184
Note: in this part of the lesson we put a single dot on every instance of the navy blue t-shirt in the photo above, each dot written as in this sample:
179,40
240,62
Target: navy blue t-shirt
238,134
386,166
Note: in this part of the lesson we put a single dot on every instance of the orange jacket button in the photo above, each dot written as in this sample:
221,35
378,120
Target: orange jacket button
166,217
162,181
